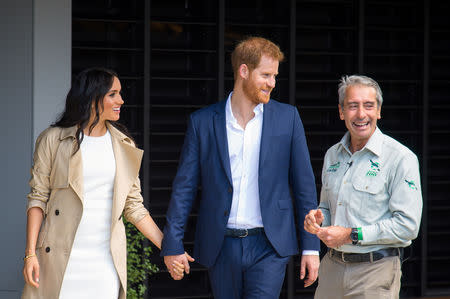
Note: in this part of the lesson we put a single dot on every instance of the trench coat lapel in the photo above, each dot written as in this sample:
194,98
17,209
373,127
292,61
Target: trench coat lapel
71,173
221,138
76,173
128,162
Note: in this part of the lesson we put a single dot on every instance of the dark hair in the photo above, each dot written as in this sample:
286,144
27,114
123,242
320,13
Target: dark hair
89,87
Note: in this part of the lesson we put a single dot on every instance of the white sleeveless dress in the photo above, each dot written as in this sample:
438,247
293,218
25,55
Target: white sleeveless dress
90,272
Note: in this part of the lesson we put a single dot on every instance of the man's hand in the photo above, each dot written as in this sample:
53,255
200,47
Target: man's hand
178,264
310,263
313,220
334,236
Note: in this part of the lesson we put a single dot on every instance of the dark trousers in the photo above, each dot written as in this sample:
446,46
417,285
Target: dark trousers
247,268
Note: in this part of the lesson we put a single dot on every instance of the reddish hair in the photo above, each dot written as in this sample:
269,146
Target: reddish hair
250,50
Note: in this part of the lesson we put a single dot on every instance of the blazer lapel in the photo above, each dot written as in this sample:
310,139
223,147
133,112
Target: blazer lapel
128,162
221,138
266,134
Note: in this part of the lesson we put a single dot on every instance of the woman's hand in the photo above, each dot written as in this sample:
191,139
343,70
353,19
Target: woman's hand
178,265
31,271
177,270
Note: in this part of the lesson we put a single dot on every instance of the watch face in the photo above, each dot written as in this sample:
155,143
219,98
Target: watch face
354,236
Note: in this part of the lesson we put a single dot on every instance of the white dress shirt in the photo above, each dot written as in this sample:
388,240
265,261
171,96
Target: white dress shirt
243,149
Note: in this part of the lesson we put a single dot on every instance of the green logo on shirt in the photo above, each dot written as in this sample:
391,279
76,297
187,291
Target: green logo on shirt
334,167
375,167
411,184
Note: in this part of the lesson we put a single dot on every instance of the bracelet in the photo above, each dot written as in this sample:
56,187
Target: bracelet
29,256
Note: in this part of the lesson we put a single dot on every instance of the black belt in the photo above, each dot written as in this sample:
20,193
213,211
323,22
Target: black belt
242,232
348,257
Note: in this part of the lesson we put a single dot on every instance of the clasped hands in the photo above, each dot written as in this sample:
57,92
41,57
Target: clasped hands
178,264
332,236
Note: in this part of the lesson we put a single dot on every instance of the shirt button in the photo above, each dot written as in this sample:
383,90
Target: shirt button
367,187
47,249
56,212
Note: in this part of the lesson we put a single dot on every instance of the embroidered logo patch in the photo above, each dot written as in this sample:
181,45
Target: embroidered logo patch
334,167
374,165
411,184
374,168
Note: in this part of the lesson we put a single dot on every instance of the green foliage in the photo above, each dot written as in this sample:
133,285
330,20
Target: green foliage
138,262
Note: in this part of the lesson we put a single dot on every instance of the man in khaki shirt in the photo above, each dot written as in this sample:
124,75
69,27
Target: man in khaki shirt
370,202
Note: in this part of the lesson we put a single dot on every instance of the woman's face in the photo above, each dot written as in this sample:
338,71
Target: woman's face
112,103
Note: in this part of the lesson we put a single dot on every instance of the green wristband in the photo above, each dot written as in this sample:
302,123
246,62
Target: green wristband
360,236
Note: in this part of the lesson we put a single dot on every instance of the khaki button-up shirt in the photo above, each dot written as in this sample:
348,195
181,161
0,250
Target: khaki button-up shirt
376,189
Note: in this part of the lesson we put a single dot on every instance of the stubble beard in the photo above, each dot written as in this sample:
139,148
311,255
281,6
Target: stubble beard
253,92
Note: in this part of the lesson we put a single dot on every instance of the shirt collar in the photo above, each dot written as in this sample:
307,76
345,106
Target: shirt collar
375,143
68,132
259,109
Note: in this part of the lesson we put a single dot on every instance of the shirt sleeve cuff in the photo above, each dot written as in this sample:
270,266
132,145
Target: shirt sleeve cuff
34,203
369,234
137,215
310,252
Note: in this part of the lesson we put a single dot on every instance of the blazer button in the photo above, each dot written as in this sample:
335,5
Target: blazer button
47,249
56,212
230,189
225,213
120,217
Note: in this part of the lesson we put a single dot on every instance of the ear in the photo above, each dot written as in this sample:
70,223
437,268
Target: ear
341,112
379,113
244,71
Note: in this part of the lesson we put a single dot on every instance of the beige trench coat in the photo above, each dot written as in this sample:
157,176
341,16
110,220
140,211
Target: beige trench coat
57,188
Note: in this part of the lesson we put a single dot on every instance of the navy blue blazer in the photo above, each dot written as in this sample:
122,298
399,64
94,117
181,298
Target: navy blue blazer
286,183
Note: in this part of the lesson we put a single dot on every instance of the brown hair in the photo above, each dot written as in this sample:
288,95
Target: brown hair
250,50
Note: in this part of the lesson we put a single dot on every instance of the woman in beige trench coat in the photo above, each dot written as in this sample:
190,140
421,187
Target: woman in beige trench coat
55,203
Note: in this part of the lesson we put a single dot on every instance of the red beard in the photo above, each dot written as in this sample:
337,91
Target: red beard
254,93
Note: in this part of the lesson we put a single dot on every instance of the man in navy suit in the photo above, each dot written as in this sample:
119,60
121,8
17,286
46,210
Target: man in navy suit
250,156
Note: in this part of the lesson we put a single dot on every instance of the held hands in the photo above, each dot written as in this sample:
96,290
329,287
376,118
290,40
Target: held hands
30,267
332,236
178,264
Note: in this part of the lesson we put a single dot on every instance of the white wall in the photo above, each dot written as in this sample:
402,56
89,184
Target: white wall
51,60
35,60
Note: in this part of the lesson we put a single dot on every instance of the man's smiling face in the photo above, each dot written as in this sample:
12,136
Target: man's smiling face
261,81
360,113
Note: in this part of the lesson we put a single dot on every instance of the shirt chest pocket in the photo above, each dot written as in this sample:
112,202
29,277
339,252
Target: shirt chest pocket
370,194
330,189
